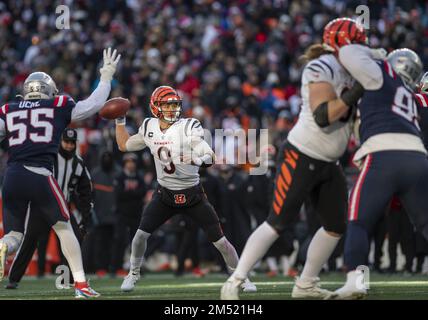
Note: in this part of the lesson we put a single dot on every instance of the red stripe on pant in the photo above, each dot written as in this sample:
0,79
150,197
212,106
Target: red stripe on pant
59,197
356,193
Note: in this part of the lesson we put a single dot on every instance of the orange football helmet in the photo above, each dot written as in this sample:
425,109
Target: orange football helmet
165,95
342,31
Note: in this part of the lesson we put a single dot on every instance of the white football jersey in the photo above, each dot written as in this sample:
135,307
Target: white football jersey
167,148
327,144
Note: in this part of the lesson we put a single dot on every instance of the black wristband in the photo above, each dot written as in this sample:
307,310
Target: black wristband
351,96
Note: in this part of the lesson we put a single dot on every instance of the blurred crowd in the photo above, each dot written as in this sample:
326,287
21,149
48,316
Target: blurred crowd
236,65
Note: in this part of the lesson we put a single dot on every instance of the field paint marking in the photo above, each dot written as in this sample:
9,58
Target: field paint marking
338,283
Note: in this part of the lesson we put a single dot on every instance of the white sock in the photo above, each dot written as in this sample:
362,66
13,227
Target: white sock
139,245
256,247
271,262
71,249
228,252
13,240
320,249
285,264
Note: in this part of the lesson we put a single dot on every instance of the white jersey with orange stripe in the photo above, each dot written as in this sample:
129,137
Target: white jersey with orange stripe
167,147
327,144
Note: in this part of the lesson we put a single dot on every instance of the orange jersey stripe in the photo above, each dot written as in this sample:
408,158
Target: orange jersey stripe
286,173
276,209
278,198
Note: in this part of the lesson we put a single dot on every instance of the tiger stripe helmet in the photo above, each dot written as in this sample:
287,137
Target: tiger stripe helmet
162,95
342,31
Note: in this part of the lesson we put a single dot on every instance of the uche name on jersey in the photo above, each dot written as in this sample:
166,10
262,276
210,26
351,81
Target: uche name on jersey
28,104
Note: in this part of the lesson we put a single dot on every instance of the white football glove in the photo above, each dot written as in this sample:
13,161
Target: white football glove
378,54
110,63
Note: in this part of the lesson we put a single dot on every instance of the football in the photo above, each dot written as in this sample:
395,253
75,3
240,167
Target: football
115,108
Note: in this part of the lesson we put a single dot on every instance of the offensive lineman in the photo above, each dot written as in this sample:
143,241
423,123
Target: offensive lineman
179,150
308,164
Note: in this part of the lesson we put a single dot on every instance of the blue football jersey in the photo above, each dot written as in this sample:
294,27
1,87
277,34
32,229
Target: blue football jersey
34,128
422,101
390,109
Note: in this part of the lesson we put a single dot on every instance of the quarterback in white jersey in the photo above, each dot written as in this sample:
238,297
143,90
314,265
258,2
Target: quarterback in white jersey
179,150
308,166
170,148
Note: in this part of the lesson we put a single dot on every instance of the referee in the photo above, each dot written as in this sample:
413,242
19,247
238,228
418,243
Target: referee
75,182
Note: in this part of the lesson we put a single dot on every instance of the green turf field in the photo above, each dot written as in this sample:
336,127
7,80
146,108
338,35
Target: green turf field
166,286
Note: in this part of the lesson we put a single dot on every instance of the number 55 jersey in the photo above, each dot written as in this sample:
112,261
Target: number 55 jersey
33,128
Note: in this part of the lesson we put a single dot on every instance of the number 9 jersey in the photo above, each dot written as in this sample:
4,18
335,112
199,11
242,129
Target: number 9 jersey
168,148
33,128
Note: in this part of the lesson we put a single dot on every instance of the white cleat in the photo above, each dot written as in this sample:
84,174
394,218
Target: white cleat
345,293
350,291
3,256
304,289
248,286
129,281
230,289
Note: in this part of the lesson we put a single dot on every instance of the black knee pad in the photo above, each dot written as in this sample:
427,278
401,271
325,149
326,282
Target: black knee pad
213,232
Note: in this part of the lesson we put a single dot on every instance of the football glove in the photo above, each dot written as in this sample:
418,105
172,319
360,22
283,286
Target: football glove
378,54
110,63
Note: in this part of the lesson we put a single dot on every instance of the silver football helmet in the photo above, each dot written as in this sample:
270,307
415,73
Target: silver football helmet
39,85
407,64
423,84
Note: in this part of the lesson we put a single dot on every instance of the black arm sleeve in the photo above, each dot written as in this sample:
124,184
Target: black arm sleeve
321,115
351,96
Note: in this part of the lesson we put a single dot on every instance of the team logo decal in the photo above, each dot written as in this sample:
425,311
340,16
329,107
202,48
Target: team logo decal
180,198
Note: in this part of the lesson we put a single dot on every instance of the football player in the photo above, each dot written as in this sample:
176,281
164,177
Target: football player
392,153
308,164
179,151
33,128
422,101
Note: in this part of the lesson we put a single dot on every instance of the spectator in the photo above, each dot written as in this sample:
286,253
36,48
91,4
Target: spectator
130,190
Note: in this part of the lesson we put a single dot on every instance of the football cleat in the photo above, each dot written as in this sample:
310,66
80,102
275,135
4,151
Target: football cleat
3,256
82,290
230,289
248,286
350,291
310,289
12,285
129,281
347,293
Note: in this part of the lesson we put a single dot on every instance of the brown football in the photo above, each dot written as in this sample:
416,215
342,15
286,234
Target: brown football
115,108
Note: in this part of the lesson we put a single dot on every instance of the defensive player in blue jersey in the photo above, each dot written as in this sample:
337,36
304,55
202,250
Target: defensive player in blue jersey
422,101
392,153
32,128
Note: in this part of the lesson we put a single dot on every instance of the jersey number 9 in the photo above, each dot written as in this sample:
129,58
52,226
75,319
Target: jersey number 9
164,155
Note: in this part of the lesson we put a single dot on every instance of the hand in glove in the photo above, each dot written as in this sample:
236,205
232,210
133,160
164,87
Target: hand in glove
110,63
378,54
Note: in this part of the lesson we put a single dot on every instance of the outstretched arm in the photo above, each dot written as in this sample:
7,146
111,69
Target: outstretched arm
125,142
96,100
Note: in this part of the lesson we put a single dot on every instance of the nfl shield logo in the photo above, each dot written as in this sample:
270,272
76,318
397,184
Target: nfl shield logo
180,198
